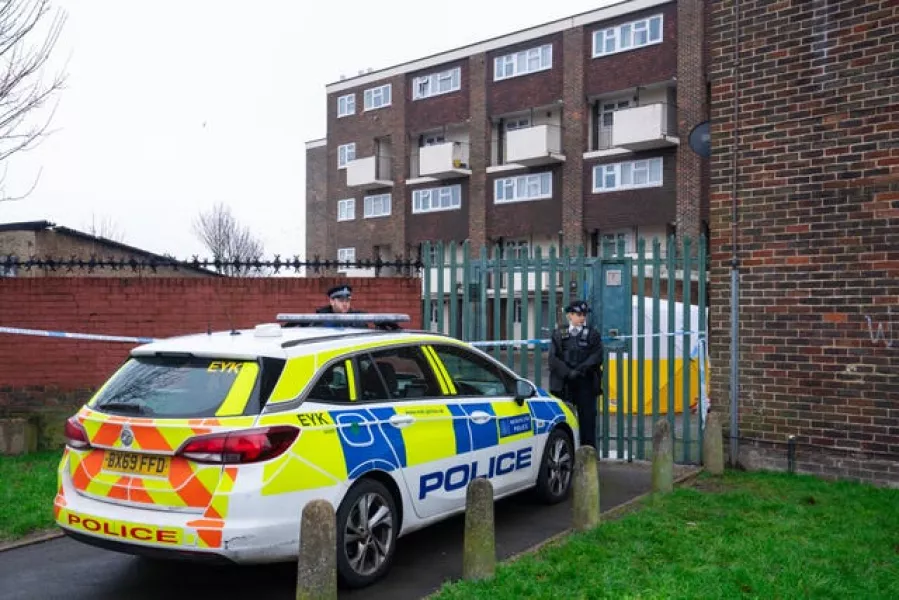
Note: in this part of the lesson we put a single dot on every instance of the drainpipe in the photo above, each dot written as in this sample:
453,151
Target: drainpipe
735,261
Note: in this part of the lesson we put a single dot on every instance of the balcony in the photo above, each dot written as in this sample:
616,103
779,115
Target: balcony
642,128
531,147
369,173
448,160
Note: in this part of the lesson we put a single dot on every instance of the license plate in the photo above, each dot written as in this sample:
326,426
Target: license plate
137,464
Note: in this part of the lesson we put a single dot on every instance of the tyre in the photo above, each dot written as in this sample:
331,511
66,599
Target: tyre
556,468
367,526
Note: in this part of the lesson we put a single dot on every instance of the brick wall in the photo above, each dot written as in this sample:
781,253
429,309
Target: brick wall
817,190
38,373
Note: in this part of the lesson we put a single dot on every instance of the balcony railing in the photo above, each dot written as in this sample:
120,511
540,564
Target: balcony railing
441,161
370,172
532,146
640,128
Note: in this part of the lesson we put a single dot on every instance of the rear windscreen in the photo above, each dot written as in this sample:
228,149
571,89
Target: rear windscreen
181,387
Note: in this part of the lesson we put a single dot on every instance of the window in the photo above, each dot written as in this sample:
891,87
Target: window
346,105
435,312
437,199
516,249
432,139
628,36
181,387
523,63
627,175
396,373
535,186
517,123
435,84
378,97
346,209
516,310
474,375
377,206
334,384
346,255
345,153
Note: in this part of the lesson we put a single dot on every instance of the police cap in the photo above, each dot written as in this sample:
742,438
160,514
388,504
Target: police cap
340,291
580,307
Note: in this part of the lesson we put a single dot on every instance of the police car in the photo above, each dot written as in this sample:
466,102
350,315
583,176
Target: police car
208,446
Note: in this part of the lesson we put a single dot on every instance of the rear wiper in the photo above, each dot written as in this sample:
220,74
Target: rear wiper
124,407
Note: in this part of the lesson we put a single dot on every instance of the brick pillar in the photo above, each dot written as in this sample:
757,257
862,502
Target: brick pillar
318,238
479,132
574,131
692,109
400,146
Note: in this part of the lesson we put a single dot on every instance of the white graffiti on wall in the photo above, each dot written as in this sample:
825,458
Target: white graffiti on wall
881,332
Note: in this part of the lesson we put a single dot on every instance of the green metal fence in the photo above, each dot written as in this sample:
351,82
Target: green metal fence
507,300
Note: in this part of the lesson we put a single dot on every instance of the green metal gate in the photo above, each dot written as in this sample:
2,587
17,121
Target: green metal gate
507,303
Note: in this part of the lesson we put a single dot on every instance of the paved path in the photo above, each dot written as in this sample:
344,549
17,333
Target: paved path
68,570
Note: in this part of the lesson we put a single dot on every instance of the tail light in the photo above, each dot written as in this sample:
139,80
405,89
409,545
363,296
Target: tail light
245,446
76,437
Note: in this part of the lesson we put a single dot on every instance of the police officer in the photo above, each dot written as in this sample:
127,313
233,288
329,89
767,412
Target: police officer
339,302
340,299
575,367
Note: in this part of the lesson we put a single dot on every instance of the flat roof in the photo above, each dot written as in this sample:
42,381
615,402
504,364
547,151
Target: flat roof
601,14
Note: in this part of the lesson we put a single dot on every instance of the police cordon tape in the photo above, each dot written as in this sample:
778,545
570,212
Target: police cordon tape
76,336
146,340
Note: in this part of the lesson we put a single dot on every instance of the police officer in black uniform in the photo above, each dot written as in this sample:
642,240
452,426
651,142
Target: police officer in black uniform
339,302
575,367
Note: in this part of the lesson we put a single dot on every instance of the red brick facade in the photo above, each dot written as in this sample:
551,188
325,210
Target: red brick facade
568,89
816,187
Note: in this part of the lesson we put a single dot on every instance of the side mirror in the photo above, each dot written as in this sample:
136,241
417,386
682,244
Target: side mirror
523,391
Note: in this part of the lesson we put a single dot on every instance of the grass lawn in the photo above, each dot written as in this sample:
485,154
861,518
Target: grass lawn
27,489
752,535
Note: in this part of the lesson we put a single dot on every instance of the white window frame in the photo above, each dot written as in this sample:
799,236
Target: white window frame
346,153
523,188
346,105
428,86
346,209
513,123
624,37
523,62
628,170
447,197
378,97
516,310
377,205
346,255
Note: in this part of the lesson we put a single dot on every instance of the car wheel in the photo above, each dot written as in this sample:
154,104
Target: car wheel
556,468
366,534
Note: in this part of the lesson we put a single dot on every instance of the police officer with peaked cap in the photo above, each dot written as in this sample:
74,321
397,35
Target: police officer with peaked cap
340,300
575,367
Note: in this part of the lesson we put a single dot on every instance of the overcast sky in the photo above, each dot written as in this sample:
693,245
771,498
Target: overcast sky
173,106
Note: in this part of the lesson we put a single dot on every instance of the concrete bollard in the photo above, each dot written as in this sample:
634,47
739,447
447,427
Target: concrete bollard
317,566
479,552
713,445
586,489
662,457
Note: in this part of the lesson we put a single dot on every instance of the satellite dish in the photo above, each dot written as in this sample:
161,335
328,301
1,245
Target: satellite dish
701,140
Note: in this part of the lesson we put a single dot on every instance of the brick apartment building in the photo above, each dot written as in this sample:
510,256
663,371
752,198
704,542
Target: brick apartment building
573,131
814,135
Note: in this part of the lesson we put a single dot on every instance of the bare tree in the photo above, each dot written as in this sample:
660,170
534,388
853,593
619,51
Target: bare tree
105,227
29,30
228,241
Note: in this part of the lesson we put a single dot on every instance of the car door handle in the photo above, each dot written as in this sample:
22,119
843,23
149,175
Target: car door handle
401,420
479,417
